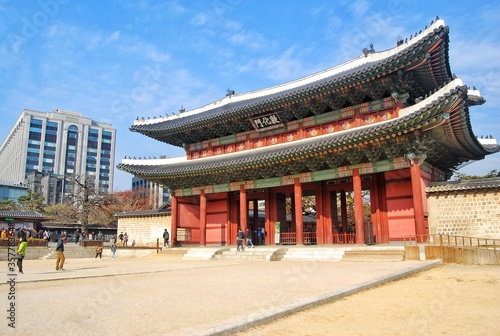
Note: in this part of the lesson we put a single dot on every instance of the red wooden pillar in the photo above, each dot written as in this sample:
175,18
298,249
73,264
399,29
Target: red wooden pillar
234,220
320,217
203,218
299,220
416,185
358,206
243,208
375,208
343,210
329,216
384,221
174,214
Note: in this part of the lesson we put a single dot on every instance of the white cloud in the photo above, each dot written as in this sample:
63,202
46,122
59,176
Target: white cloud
359,7
146,11
284,67
155,55
249,39
199,19
114,36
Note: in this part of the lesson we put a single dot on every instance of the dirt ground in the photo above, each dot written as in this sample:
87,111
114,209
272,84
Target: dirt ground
445,300
156,296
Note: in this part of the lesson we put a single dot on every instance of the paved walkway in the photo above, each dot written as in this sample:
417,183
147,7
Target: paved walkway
155,295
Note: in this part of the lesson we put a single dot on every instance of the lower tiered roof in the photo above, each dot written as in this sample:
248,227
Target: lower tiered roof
437,127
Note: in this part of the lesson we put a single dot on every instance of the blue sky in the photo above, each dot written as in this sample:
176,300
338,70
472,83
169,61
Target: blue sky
116,60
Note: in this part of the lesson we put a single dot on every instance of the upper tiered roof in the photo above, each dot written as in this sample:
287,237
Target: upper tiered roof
416,66
434,121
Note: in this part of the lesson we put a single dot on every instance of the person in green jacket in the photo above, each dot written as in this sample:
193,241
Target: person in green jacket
21,253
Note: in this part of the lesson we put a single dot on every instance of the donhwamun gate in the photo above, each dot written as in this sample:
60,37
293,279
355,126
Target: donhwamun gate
362,140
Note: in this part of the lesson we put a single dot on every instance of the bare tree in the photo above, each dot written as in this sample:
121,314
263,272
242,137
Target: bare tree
62,213
85,199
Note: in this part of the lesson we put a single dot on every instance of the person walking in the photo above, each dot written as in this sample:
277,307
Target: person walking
98,251
77,236
250,238
113,249
166,237
60,253
21,253
125,239
239,240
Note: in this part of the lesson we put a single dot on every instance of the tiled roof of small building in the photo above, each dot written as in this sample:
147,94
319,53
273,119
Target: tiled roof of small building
20,214
164,209
464,185
143,213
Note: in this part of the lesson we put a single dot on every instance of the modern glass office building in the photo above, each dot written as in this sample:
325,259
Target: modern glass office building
12,191
59,143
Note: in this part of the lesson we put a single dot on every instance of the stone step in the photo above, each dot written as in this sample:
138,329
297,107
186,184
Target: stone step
313,254
242,256
72,251
203,253
377,255
260,253
173,253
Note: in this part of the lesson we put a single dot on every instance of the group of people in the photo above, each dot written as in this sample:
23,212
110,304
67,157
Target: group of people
22,232
23,244
248,236
81,235
123,238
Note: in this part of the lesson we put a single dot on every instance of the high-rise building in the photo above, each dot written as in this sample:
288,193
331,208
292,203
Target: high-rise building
156,193
59,143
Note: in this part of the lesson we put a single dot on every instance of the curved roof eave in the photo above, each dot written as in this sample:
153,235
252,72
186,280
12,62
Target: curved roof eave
235,103
348,137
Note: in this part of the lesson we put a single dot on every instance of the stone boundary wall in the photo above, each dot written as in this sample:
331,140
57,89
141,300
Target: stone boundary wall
32,252
464,212
144,230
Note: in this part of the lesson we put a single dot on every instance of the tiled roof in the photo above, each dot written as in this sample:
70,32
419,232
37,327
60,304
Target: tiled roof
270,153
17,214
163,209
464,185
241,106
143,213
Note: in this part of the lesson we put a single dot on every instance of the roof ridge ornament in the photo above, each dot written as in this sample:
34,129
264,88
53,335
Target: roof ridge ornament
367,51
399,41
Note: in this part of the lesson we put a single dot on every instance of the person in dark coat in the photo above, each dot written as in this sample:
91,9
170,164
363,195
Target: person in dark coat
60,252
